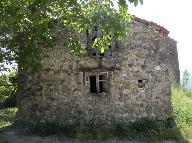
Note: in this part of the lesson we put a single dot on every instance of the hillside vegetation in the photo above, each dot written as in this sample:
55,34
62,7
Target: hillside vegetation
182,110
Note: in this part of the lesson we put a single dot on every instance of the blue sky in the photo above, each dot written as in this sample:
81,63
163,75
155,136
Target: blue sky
176,16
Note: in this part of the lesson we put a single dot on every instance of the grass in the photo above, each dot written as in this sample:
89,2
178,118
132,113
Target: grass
182,110
145,129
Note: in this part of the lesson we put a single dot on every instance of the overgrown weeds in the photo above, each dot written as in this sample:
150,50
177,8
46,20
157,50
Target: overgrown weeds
142,129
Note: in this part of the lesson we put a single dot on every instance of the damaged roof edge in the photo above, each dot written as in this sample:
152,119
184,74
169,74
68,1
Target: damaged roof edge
150,23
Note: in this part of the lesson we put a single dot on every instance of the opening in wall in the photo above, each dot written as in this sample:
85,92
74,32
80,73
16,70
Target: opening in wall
93,84
141,83
98,83
102,83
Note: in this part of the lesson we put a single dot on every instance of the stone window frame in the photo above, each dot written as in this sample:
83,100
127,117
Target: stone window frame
97,74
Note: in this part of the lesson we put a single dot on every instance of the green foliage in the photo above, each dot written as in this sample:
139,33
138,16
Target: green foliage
102,43
144,125
76,47
185,78
7,116
182,105
28,27
6,85
182,110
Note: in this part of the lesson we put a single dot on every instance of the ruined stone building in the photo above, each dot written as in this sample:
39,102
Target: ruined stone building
131,80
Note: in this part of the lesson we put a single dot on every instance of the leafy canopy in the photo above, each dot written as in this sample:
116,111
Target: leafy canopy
25,24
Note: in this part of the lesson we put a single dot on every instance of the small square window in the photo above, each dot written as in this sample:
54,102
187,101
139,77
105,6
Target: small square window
94,54
141,83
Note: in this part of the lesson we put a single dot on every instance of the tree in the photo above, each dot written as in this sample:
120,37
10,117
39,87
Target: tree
185,78
24,24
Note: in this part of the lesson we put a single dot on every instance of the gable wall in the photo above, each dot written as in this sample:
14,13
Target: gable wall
60,93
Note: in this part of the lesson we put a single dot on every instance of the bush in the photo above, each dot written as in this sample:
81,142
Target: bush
6,85
7,116
146,125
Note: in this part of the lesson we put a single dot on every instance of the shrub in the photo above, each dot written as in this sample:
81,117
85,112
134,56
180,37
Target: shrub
146,125
182,105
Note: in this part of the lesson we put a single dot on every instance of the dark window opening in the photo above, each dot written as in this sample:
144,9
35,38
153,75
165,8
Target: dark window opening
116,45
94,38
111,43
102,77
102,86
95,28
98,83
101,54
141,83
87,32
102,83
93,84
94,54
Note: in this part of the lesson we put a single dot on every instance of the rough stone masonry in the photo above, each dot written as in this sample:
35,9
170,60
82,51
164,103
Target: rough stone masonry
131,80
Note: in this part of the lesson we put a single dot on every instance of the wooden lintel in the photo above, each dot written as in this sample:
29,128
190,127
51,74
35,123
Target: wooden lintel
84,69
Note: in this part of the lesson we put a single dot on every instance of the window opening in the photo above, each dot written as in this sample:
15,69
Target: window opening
98,83
102,83
101,54
94,38
141,83
95,28
94,51
87,32
93,84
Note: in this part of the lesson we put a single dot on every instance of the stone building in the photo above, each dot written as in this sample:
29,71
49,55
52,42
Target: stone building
131,80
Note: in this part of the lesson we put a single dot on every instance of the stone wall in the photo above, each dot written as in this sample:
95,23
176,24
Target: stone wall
61,92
